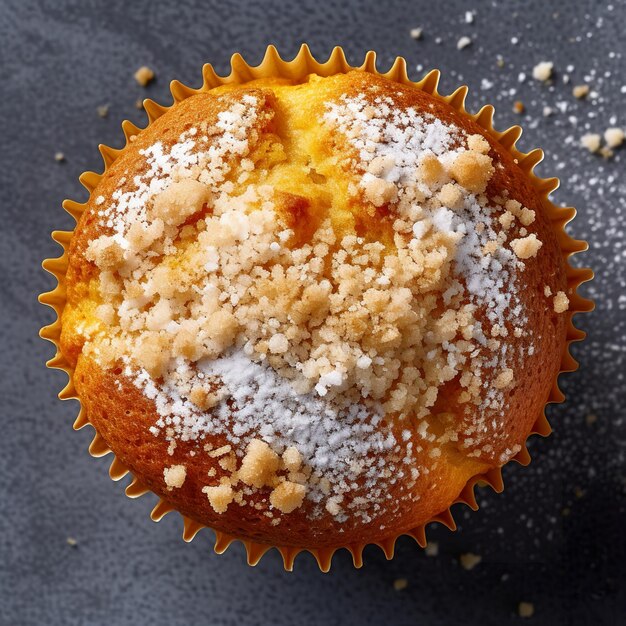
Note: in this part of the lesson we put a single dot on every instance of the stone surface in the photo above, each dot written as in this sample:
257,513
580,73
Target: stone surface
539,542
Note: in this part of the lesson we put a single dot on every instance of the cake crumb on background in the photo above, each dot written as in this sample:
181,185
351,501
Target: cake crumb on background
144,75
526,609
469,560
591,141
543,71
463,42
580,91
614,137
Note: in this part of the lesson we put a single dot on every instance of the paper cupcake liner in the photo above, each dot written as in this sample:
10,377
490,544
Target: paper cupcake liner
303,64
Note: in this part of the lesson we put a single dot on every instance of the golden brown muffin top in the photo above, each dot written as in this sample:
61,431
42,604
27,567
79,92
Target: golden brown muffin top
319,274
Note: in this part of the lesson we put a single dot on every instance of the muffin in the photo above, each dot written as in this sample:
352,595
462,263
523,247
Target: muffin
308,312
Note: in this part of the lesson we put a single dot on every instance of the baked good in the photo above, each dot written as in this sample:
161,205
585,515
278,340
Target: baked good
307,313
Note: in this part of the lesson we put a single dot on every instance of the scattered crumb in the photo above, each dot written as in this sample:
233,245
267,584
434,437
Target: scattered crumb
580,91
543,71
561,302
469,560
463,42
400,583
614,137
144,75
592,418
59,157
518,107
416,33
139,104
103,110
432,548
591,141
71,542
606,152
526,609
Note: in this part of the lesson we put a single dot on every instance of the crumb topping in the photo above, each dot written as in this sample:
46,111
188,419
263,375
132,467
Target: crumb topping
526,247
297,351
561,302
174,476
287,496
220,496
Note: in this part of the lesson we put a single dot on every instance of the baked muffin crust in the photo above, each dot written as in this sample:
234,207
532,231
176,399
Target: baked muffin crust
307,314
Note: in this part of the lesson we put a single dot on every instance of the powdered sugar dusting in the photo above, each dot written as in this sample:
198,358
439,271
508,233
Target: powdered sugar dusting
339,445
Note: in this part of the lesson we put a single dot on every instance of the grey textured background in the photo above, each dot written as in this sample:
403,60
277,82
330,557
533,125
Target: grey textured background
60,60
